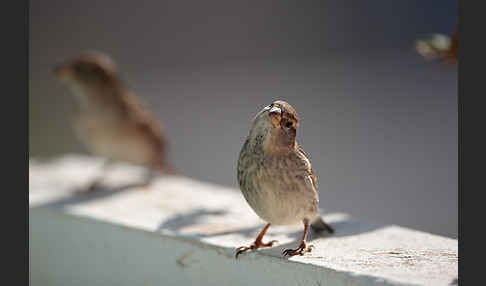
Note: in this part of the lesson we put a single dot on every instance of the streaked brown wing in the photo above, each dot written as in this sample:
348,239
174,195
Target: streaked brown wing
311,171
145,122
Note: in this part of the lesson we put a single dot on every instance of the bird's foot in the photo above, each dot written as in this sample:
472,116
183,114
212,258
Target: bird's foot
301,250
257,244
268,244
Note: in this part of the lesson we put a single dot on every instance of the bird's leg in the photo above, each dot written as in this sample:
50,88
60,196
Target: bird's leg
257,243
303,245
96,182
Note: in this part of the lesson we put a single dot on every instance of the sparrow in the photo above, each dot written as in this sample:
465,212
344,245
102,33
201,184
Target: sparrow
111,121
276,177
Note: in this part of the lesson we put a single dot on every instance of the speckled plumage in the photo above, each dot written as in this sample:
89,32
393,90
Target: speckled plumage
273,171
280,186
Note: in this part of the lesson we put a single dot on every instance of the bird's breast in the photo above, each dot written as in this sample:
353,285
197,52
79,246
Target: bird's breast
277,190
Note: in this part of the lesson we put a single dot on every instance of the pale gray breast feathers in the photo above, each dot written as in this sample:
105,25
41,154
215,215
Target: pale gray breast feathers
279,188
289,173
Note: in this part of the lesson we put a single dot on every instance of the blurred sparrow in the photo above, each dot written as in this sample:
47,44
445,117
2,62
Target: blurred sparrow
112,122
276,176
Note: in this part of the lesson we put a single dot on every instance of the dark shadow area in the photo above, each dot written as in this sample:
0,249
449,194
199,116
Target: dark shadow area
348,227
179,221
341,228
98,193
196,217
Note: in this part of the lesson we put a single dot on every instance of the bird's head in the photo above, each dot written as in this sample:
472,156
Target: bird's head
90,69
277,124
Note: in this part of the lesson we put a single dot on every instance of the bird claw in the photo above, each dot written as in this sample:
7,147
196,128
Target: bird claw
292,252
299,251
242,249
254,246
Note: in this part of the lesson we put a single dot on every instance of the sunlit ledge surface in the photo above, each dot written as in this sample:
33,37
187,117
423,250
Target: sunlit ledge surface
180,231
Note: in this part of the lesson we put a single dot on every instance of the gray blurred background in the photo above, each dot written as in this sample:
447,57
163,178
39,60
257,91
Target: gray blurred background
379,122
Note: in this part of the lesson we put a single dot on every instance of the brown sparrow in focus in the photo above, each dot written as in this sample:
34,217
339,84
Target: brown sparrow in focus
112,122
276,176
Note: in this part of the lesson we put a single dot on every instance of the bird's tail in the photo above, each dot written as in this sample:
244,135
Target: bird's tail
319,225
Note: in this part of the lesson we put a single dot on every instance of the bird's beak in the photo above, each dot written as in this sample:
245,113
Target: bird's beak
275,114
275,110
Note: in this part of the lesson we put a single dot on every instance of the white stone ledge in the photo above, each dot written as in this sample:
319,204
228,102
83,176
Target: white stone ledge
184,232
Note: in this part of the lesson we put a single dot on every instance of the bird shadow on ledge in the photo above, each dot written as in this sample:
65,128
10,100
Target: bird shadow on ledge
180,221
196,221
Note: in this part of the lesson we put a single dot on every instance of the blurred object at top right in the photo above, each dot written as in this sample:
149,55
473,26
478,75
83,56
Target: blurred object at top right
439,47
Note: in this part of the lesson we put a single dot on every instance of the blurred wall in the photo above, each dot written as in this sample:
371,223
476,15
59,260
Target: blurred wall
379,122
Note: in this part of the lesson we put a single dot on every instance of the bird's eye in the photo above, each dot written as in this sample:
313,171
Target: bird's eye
289,124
